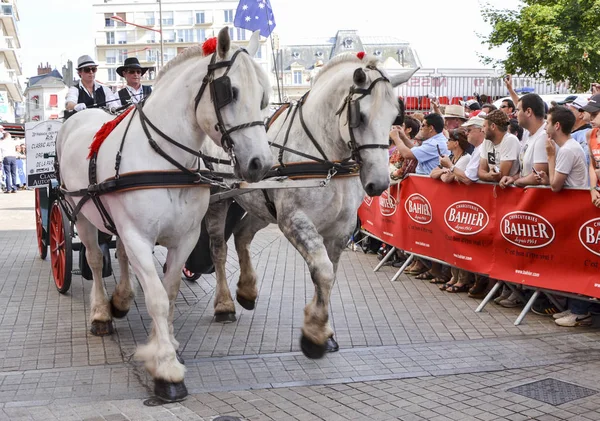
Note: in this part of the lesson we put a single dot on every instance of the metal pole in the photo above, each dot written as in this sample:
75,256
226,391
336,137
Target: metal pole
162,55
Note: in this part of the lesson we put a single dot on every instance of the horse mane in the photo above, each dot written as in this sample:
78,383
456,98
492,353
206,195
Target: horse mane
368,60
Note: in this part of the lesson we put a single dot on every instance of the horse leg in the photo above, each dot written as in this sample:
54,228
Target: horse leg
100,316
243,235
334,246
215,224
158,355
124,293
303,235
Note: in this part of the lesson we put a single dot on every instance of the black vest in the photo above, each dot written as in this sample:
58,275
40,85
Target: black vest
125,95
99,99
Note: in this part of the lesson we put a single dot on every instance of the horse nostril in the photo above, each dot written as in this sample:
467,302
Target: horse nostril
370,189
254,165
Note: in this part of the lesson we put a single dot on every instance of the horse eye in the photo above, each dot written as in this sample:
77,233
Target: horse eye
235,93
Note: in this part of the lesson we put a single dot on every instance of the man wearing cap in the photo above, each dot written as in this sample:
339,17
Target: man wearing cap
134,92
88,93
593,108
500,150
8,152
475,137
575,104
471,106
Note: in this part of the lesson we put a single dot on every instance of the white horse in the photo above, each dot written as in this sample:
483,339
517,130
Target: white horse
318,221
232,116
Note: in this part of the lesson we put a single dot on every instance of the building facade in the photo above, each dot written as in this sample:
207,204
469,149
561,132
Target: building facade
11,93
296,63
130,29
45,96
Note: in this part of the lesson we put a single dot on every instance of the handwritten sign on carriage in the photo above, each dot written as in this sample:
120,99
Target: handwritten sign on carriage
40,138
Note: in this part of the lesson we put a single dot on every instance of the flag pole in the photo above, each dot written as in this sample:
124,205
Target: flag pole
273,52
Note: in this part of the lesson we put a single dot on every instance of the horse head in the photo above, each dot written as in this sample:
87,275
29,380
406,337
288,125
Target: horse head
233,114
366,108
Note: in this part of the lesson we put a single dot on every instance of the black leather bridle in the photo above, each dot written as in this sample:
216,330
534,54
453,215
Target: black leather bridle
353,115
221,93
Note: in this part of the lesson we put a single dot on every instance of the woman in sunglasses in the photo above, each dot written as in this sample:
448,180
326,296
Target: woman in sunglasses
134,91
88,93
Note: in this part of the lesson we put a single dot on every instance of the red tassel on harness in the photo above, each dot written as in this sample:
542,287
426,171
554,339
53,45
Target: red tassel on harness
104,131
360,55
209,46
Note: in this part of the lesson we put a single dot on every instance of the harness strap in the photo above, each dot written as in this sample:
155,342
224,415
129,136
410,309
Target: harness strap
307,131
286,137
269,204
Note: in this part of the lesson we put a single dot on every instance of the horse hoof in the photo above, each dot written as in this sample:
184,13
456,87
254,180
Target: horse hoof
332,345
179,358
247,304
311,349
100,328
225,317
170,392
116,313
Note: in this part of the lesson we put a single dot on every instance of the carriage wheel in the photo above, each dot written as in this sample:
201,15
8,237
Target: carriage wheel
60,248
189,275
39,227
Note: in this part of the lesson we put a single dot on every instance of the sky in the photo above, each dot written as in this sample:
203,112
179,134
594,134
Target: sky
443,32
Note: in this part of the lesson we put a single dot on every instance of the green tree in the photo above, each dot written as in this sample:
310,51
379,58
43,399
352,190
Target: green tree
557,39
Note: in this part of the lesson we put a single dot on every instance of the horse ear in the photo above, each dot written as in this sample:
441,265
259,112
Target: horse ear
402,77
360,77
223,42
253,44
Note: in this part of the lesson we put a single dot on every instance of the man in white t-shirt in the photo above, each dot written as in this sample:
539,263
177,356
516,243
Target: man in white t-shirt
567,167
530,114
500,151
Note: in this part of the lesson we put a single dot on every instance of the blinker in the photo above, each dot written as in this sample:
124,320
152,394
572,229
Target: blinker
354,114
222,92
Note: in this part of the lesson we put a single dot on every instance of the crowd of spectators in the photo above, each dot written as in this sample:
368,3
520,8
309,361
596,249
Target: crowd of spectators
523,143
12,163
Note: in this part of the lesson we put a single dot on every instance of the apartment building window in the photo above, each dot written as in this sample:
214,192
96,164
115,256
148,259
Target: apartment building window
200,17
150,36
7,10
151,56
122,56
121,37
297,76
169,54
185,35
241,34
259,52
108,22
53,100
167,18
184,17
231,33
122,16
111,57
200,35
112,75
36,102
110,37
150,19
228,16
169,35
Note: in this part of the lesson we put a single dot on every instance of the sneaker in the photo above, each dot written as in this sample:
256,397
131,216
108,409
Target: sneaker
561,314
511,302
544,308
504,295
574,320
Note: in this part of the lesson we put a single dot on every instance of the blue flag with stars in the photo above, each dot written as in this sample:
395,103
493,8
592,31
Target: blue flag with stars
255,15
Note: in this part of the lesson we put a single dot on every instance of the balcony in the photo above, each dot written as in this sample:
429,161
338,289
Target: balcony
9,48
8,79
9,19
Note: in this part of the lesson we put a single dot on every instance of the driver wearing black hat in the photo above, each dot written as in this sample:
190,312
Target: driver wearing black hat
134,91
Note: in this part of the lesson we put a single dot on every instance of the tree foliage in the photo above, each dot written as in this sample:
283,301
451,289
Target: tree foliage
557,39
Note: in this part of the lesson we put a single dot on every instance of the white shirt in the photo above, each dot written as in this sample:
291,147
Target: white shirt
473,165
507,150
570,160
533,150
136,96
112,99
8,147
463,161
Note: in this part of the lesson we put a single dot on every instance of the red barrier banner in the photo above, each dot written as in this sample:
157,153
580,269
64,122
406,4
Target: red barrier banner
530,236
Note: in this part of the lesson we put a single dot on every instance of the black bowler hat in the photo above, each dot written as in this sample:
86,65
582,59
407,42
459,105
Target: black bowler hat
131,63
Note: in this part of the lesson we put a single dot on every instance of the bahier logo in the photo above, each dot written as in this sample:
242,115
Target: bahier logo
418,209
368,200
387,203
526,229
589,235
466,218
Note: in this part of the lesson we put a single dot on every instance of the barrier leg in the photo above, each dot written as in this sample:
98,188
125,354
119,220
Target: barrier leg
513,288
404,266
527,307
488,297
385,259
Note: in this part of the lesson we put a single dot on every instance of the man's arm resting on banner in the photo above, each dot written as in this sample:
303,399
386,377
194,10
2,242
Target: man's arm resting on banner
485,174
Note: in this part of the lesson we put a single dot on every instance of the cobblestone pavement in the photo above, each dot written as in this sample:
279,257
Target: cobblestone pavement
408,351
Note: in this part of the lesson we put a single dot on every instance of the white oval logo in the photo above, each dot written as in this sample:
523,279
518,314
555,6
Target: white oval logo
466,218
589,235
387,204
526,229
418,209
